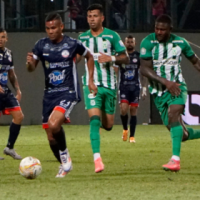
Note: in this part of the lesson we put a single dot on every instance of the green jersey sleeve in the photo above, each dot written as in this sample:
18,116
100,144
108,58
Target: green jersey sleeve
146,48
118,44
187,50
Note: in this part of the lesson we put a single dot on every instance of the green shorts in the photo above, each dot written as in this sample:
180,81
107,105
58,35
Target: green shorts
163,102
105,99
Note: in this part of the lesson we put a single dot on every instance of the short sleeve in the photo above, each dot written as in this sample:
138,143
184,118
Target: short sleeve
187,50
118,44
146,48
37,50
81,49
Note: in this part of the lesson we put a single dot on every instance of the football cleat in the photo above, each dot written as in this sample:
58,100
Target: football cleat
125,135
12,153
67,120
99,166
132,140
172,165
66,160
61,173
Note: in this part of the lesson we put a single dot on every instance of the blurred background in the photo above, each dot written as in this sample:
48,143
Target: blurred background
121,15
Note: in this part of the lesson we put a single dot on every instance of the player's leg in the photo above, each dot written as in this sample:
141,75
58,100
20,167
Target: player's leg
93,106
12,107
124,107
133,122
134,99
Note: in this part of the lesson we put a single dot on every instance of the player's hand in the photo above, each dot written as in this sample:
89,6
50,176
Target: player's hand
144,93
103,58
19,95
92,88
173,88
29,58
1,90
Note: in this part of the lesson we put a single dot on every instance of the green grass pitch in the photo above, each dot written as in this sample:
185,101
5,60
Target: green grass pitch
132,171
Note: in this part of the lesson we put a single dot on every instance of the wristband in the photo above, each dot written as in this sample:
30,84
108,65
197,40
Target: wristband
113,58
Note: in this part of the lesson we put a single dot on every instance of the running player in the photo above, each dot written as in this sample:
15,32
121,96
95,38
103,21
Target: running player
129,88
160,54
57,53
103,44
9,104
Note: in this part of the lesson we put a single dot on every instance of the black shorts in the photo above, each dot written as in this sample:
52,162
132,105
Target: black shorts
129,97
60,101
8,103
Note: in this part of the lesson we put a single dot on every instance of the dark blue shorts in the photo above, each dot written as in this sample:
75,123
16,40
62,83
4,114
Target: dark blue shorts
8,103
60,101
129,97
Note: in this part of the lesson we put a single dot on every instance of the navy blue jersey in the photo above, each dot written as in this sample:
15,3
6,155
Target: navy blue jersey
6,63
58,61
129,74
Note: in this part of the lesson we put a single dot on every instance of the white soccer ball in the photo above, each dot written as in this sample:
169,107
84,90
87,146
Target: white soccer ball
30,167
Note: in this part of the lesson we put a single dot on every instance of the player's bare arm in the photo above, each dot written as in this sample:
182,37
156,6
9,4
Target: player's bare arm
195,61
31,63
121,58
1,90
13,80
78,58
90,64
144,83
147,70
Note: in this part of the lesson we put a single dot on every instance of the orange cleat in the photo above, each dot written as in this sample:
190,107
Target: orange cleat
125,135
172,165
132,140
99,166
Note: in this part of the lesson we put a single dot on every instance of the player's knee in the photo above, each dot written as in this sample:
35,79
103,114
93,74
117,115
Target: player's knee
53,126
19,118
107,128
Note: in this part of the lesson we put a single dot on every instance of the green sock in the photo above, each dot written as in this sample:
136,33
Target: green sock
176,135
95,124
193,134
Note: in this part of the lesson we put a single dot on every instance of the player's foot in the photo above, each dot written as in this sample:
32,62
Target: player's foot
61,173
12,153
99,166
125,135
1,158
132,140
172,165
66,160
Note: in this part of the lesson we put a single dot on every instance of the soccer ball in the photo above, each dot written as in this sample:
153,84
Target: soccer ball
30,167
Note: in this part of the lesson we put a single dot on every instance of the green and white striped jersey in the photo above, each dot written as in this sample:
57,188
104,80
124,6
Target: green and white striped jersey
166,59
108,42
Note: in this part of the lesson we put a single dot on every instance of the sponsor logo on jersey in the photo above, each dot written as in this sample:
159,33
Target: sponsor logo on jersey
92,103
165,62
45,54
65,53
56,77
143,51
135,60
65,45
46,46
110,36
47,64
123,96
4,78
129,75
84,37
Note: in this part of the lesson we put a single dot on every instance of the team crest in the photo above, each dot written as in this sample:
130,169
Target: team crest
174,51
91,96
135,60
65,53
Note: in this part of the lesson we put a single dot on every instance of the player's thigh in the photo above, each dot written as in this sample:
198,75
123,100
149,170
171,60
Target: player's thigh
134,101
109,101
92,101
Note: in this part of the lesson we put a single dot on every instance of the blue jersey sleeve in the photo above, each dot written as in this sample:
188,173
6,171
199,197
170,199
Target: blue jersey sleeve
81,49
37,50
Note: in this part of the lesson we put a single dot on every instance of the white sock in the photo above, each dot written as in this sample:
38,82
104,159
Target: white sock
177,158
96,155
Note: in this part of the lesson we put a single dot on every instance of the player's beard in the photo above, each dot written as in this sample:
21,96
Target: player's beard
130,48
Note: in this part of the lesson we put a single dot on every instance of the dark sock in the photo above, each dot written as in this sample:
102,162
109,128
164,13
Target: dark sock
124,119
60,139
14,132
193,134
133,122
55,149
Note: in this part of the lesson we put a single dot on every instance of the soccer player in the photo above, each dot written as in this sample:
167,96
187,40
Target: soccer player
160,54
57,52
129,88
9,104
103,44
